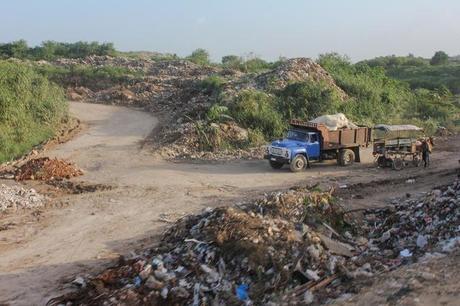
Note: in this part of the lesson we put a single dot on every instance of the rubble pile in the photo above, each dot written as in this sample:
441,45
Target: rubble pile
294,247
46,169
298,70
16,197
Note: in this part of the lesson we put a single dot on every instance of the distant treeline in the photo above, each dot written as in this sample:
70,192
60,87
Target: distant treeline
49,50
436,73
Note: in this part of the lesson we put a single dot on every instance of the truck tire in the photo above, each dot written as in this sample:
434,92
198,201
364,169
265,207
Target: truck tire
398,164
275,165
346,157
298,163
381,161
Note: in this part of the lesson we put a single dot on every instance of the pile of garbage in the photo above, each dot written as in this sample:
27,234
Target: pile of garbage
284,247
298,70
293,247
46,169
16,197
200,140
409,228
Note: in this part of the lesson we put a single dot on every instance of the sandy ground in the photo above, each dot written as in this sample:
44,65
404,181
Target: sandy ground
41,251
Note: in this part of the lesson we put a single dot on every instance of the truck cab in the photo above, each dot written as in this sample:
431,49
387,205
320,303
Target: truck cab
297,149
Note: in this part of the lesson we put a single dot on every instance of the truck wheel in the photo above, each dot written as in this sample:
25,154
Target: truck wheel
398,164
298,163
275,165
346,157
416,161
382,161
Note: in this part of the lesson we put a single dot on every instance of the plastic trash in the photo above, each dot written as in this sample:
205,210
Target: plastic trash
405,253
242,292
137,281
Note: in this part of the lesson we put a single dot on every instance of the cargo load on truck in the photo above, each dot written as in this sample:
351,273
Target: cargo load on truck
335,122
308,141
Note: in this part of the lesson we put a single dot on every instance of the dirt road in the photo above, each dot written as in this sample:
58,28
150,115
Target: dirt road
81,233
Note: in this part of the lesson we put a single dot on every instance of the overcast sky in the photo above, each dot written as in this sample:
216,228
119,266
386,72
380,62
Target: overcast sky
358,28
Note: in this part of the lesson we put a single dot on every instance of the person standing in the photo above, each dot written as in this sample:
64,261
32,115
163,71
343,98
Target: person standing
426,150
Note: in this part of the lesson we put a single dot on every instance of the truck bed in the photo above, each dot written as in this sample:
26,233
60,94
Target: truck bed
341,138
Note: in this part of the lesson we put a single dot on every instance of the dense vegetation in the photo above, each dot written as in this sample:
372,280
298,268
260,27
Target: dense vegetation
95,78
375,98
50,50
419,72
31,107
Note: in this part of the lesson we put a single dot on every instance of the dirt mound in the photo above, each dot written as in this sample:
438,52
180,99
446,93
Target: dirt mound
298,70
46,169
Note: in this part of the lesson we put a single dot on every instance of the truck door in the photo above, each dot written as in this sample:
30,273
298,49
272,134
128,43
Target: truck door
313,149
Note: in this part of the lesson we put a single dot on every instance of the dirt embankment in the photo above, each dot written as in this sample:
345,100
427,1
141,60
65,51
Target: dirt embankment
42,250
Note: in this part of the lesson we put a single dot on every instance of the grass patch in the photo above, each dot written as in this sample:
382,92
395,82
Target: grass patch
31,108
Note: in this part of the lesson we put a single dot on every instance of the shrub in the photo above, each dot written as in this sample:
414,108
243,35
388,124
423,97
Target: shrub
257,110
91,77
218,113
307,100
200,57
31,108
212,84
439,58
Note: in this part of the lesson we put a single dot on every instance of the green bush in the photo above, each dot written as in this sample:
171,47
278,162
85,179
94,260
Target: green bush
200,57
307,100
218,113
257,110
212,84
375,97
91,77
251,65
31,108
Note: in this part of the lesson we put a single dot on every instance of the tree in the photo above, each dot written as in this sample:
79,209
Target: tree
17,49
200,57
439,58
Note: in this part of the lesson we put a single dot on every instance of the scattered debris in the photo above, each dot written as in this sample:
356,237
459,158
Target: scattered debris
77,187
16,197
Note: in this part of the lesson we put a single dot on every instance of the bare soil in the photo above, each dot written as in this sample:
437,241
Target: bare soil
77,233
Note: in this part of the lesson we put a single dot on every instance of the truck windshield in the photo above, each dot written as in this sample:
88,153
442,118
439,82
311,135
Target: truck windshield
297,135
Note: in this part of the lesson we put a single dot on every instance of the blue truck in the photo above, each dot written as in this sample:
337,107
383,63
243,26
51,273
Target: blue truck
306,142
